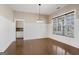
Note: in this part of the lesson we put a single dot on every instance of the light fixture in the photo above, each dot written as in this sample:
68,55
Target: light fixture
39,11
39,19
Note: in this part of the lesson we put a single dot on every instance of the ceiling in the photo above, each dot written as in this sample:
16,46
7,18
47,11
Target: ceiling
45,9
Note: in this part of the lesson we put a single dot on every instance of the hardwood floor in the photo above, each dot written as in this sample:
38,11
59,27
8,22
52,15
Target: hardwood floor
39,47
28,47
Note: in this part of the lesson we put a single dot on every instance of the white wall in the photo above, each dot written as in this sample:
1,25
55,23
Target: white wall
71,41
7,30
32,29
35,30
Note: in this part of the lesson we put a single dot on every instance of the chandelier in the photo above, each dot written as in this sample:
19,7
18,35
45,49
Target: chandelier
39,18
39,11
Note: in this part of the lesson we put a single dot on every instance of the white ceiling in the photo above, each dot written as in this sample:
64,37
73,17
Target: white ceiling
46,9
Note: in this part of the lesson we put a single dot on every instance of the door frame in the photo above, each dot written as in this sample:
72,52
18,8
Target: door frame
15,27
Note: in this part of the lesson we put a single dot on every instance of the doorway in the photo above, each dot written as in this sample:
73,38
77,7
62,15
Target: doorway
19,32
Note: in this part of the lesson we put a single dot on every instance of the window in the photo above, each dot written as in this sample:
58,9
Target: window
64,25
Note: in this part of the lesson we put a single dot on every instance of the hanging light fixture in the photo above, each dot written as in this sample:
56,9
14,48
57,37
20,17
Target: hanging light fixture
39,19
39,10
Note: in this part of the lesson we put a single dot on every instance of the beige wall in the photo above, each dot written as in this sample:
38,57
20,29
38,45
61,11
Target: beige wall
29,17
67,40
6,11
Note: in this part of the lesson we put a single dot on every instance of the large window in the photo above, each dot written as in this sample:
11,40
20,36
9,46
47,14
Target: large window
64,25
